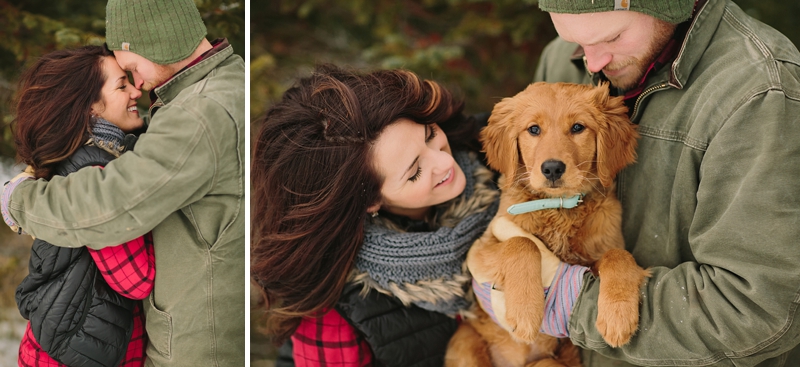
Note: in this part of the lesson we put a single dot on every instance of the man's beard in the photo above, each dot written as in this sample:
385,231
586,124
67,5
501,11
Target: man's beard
162,74
631,79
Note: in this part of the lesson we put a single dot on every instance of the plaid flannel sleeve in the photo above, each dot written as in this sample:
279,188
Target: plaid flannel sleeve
129,268
329,340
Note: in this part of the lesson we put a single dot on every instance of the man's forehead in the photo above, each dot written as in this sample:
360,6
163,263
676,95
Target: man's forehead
125,59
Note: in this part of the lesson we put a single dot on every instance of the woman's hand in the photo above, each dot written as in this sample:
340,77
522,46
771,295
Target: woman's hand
503,228
5,198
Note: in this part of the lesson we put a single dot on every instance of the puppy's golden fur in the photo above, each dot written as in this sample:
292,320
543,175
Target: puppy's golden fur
590,134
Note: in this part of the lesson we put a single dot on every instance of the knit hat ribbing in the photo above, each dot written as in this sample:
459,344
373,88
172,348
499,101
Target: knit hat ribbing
672,11
162,31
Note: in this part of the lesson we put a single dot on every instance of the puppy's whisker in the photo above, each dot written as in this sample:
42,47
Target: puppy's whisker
591,181
521,179
590,173
585,162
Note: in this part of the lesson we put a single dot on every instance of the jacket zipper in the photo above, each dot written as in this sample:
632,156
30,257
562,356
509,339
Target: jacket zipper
644,94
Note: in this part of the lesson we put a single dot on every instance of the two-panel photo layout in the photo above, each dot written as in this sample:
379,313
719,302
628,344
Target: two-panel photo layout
412,183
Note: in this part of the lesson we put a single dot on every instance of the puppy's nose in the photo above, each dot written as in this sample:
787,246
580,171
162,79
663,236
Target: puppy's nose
553,169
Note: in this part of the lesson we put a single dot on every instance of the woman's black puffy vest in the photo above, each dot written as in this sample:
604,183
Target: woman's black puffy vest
398,335
76,317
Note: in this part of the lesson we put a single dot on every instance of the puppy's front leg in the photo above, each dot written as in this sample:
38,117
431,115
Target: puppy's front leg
618,302
520,280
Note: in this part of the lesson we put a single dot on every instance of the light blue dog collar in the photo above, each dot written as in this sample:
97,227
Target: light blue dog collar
552,203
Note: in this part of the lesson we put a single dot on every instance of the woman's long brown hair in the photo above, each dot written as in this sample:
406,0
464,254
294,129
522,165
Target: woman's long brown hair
53,106
312,180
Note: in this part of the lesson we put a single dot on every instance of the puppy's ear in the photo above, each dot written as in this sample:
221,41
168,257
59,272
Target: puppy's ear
616,137
500,140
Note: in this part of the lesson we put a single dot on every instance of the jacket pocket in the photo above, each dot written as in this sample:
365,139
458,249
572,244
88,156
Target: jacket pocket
158,325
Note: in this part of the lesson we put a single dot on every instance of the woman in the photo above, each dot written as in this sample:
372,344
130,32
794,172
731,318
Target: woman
363,216
73,110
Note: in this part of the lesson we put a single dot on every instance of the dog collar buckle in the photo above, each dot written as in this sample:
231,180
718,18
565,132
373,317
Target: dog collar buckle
552,203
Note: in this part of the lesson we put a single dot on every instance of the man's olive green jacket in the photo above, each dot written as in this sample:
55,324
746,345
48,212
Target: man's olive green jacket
713,204
185,182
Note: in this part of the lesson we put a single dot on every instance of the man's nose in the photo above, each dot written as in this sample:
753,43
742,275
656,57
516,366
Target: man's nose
596,58
137,80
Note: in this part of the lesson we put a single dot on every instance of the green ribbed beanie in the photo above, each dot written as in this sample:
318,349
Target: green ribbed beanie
672,11
162,31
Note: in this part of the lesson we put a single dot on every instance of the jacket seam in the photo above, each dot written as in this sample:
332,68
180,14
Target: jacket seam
729,18
240,173
200,133
675,67
215,176
675,136
190,215
210,305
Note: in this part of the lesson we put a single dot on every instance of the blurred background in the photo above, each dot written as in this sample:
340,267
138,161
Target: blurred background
485,50
29,29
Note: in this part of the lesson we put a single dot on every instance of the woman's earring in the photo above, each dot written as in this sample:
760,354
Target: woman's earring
374,214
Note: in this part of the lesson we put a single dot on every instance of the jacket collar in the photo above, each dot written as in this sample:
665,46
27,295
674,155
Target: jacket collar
708,14
192,73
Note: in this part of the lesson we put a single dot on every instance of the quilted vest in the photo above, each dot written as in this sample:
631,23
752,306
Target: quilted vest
76,317
398,335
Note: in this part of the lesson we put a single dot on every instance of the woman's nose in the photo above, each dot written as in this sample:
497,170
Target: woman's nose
443,161
136,93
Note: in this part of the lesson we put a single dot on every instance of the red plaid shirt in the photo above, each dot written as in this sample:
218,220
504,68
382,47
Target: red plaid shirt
129,269
329,341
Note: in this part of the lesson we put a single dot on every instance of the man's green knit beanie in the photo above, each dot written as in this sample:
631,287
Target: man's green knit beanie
162,31
672,11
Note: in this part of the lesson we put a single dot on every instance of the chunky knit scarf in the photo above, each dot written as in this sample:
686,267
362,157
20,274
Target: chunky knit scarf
107,136
425,268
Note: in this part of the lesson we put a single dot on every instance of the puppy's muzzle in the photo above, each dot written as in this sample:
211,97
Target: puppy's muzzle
553,169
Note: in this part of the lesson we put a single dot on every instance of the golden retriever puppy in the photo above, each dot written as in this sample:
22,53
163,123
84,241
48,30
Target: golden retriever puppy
566,143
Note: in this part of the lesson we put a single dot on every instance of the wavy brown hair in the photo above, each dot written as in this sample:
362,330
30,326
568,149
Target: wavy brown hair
53,106
312,180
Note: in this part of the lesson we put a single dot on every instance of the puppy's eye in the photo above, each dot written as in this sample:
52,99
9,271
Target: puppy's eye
535,130
577,128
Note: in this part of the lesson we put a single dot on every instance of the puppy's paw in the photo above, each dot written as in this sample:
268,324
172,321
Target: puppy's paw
617,320
618,302
524,323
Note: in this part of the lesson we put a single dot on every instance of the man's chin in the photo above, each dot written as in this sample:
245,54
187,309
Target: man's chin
623,83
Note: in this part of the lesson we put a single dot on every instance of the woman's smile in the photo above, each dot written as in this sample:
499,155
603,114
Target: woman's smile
447,178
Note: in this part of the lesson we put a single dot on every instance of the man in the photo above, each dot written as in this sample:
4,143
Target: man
184,181
712,205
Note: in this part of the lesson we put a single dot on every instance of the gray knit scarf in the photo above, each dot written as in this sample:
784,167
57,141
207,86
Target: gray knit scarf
107,136
426,268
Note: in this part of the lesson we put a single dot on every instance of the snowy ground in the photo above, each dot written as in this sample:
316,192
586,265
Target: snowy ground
14,254
12,326
8,169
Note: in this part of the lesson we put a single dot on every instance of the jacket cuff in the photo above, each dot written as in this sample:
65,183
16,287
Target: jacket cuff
5,200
